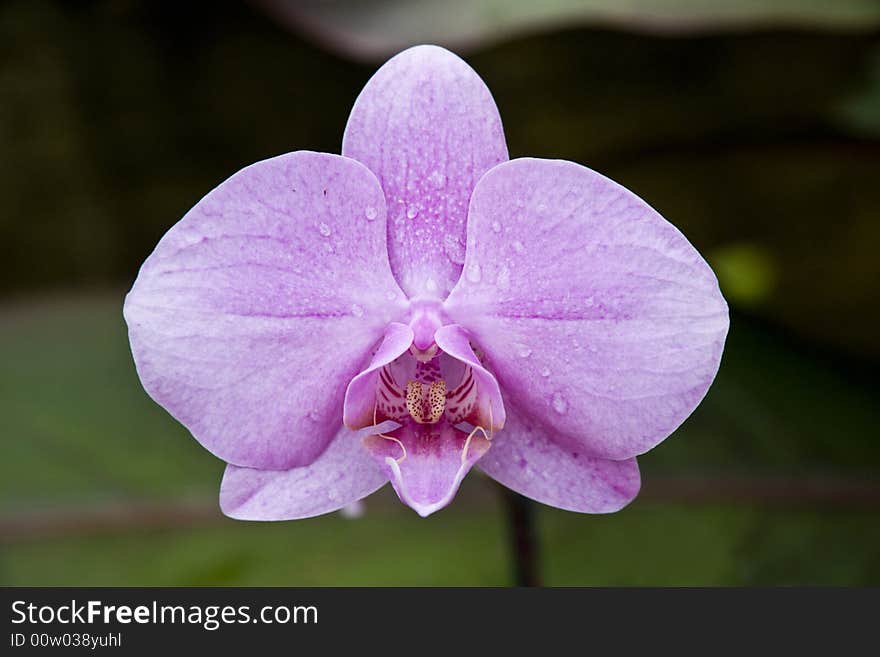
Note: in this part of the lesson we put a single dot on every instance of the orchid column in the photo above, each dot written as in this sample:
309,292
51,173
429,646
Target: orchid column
419,306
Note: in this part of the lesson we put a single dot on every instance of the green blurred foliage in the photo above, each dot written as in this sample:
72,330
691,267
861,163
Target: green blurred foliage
379,28
647,545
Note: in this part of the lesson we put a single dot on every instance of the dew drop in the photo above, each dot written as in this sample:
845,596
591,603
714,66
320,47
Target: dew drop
523,350
473,273
412,212
314,415
356,310
431,285
324,229
559,403
518,247
545,372
496,227
438,179
454,249
503,280
371,213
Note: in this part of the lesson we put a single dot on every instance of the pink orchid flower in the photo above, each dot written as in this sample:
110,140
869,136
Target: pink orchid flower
419,305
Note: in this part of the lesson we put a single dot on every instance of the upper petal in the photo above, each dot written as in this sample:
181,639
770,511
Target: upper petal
525,458
428,127
343,474
596,314
260,305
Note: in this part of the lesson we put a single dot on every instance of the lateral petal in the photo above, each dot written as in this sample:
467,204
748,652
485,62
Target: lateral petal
256,309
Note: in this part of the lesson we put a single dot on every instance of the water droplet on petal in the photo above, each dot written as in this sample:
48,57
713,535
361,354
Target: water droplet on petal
503,280
518,247
371,213
496,227
545,372
314,415
324,229
559,403
356,310
473,273
523,350
438,179
412,212
431,285
454,249
391,295
588,302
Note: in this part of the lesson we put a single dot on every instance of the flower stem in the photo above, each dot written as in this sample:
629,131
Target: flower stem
522,537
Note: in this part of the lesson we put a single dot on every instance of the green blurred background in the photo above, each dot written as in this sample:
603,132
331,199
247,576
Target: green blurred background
753,126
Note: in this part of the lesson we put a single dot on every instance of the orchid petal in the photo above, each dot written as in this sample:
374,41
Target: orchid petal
427,126
343,474
453,340
596,314
524,458
360,397
425,462
257,308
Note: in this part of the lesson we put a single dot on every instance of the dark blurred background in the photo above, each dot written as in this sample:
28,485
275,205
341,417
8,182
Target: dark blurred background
754,127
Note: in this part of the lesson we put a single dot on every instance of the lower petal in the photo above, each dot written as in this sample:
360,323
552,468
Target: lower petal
525,459
426,462
343,474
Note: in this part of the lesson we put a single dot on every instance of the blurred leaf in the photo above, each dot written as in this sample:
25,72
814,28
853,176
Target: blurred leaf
378,28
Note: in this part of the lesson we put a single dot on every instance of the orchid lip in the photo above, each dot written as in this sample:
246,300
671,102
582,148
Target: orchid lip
442,406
